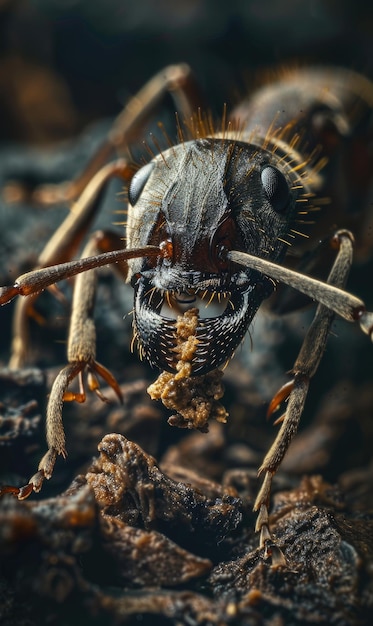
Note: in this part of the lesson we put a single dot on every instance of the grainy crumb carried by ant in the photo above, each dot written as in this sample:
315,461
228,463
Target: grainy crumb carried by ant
195,398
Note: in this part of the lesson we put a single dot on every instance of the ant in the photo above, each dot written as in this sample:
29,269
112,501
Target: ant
216,216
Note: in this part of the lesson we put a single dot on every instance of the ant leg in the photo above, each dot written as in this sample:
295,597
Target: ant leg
81,343
305,367
81,346
62,246
81,353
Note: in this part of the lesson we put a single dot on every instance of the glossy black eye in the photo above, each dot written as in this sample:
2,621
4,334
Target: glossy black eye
138,183
275,187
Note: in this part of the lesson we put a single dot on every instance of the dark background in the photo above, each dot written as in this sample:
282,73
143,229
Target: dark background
83,58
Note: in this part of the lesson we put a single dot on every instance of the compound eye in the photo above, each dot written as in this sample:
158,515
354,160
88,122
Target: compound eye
275,187
138,182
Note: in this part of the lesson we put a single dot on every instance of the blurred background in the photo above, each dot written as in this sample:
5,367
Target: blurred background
66,63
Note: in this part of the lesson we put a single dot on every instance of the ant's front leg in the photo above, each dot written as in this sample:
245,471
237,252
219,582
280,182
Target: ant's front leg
81,352
296,391
82,340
